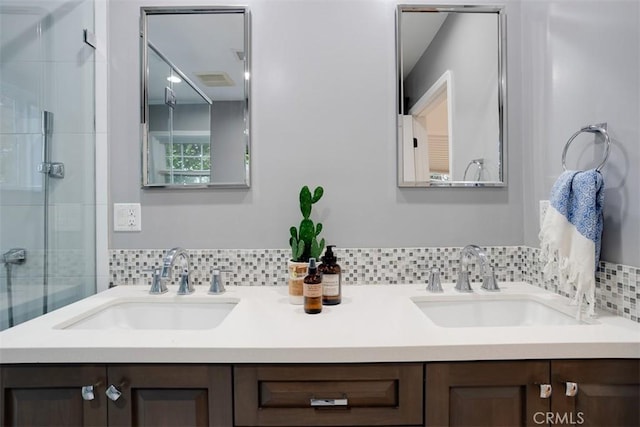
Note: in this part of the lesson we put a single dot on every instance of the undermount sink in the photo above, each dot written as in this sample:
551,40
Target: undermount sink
154,315
455,313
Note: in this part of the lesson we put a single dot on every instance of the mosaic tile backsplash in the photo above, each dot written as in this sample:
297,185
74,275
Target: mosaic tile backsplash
617,286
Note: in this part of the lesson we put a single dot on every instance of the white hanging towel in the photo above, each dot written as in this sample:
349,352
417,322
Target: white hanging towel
571,233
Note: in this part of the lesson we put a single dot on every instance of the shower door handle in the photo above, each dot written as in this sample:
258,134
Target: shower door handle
54,170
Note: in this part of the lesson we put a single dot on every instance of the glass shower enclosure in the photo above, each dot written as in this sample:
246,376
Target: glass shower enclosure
47,156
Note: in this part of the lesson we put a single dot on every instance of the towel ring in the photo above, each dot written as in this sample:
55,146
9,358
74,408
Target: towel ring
602,129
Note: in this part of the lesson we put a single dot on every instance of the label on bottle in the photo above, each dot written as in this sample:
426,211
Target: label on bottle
312,290
330,285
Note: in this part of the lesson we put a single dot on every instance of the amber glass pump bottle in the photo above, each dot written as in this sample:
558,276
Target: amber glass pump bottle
312,289
331,278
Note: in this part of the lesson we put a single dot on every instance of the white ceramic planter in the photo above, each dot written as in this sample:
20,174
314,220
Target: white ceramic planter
297,273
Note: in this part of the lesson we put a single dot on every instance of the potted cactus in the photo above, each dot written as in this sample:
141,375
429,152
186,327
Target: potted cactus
304,243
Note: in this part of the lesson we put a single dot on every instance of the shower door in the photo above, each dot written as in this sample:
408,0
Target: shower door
47,152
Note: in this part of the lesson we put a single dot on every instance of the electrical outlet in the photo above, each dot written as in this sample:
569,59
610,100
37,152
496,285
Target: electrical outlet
127,217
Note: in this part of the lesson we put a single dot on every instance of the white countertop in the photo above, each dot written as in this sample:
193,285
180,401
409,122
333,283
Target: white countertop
374,323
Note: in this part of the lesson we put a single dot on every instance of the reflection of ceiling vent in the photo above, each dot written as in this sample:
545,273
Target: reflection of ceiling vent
215,79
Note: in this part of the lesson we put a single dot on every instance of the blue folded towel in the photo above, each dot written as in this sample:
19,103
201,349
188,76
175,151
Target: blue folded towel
570,237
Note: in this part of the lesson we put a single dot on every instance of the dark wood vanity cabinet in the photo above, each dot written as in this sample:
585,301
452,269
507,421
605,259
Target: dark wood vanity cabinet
148,395
171,395
606,392
594,393
483,393
51,395
329,395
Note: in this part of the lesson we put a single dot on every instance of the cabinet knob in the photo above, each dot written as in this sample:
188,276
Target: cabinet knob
113,393
545,391
572,389
88,392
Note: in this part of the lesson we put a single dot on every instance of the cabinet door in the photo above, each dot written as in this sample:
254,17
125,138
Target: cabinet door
329,395
171,395
485,393
52,396
606,392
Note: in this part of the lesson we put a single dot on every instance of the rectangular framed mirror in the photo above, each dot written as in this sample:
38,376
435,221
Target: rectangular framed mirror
451,120
195,98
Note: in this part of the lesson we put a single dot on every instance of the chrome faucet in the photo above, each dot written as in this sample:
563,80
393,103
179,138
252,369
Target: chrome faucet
157,286
14,256
186,287
217,285
434,284
489,282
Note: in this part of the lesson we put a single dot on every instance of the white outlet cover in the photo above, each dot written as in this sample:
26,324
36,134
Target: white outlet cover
127,217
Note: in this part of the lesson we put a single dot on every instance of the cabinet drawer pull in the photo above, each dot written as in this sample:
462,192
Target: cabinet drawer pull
572,389
545,391
329,402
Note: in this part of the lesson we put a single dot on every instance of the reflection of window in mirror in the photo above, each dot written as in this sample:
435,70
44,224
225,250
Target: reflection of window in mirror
182,157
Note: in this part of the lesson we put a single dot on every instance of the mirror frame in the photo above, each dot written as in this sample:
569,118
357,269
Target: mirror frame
502,94
145,11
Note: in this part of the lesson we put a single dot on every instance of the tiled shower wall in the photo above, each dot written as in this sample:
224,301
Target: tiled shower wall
617,286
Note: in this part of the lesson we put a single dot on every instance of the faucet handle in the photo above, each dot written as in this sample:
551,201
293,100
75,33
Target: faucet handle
434,280
489,282
158,286
186,287
217,285
463,285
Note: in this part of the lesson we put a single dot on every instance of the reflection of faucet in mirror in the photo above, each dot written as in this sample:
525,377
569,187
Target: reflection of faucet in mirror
489,282
479,163
186,287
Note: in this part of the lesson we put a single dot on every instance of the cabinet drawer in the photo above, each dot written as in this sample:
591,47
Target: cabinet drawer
328,395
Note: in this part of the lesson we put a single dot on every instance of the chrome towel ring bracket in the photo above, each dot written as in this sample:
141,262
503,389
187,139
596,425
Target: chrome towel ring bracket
599,128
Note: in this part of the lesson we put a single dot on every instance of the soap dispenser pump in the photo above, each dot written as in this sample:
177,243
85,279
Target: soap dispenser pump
331,278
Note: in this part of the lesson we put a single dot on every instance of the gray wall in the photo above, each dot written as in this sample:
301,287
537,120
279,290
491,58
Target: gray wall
467,45
323,100
185,117
581,65
324,113
228,141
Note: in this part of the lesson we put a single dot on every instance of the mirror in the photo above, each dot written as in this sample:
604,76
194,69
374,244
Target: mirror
195,97
451,96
